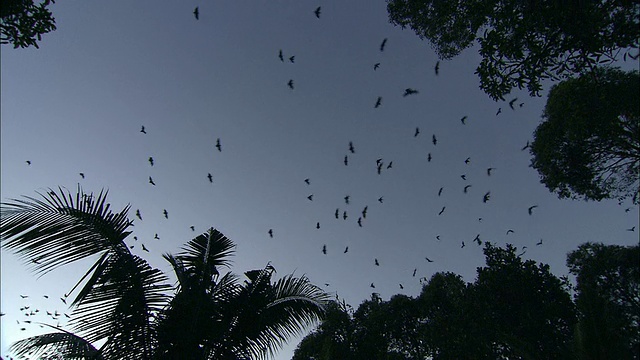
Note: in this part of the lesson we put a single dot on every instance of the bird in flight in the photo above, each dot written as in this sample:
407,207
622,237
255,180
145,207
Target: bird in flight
409,91
528,145
401,287
463,177
466,188
539,243
477,239
351,148
438,237
441,211
292,59
499,111
145,248
632,229
380,168
360,221
428,260
378,102
440,191
383,44
531,209
463,120
467,160
512,102
151,160
156,237
317,11
337,214
380,199
390,165
463,245
346,250
290,84
270,233
346,160
210,177
437,68
364,212
372,286
414,272
310,197
524,250
318,225
489,171
324,249
344,215
307,181
429,157
218,146
196,13
142,130
509,231
151,181
486,196
165,213
346,199
376,262
280,55
193,228
82,175
138,214
376,66
417,132
434,140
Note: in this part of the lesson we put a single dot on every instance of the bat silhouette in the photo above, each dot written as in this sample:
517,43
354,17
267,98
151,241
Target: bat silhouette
383,44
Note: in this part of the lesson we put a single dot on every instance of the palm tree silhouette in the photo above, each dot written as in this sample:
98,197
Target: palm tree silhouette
128,306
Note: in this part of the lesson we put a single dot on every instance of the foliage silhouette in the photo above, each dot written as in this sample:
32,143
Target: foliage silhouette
523,43
608,300
515,309
22,23
124,302
589,144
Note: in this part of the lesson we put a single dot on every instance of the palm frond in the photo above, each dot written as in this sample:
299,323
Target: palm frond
267,315
118,304
211,248
62,343
59,229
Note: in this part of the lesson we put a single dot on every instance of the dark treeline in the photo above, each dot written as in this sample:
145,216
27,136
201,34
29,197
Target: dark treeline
515,309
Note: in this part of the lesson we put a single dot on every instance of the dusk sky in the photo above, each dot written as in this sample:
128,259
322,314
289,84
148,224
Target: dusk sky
77,104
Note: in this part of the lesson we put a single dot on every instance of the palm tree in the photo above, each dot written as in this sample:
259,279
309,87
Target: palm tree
126,305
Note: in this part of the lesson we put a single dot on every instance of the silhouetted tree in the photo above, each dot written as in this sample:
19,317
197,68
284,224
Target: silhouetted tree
125,302
608,300
524,42
515,310
589,143
527,311
22,22
333,339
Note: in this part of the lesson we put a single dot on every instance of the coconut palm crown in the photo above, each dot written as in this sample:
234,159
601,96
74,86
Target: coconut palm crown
127,306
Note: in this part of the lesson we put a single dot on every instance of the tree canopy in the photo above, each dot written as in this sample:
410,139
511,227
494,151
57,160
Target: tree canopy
608,300
588,145
22,22
127,305
522,43
515,309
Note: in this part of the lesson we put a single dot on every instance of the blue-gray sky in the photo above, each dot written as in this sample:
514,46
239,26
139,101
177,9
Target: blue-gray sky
77,105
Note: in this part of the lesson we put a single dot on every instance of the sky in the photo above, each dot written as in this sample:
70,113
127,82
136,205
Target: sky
77,104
